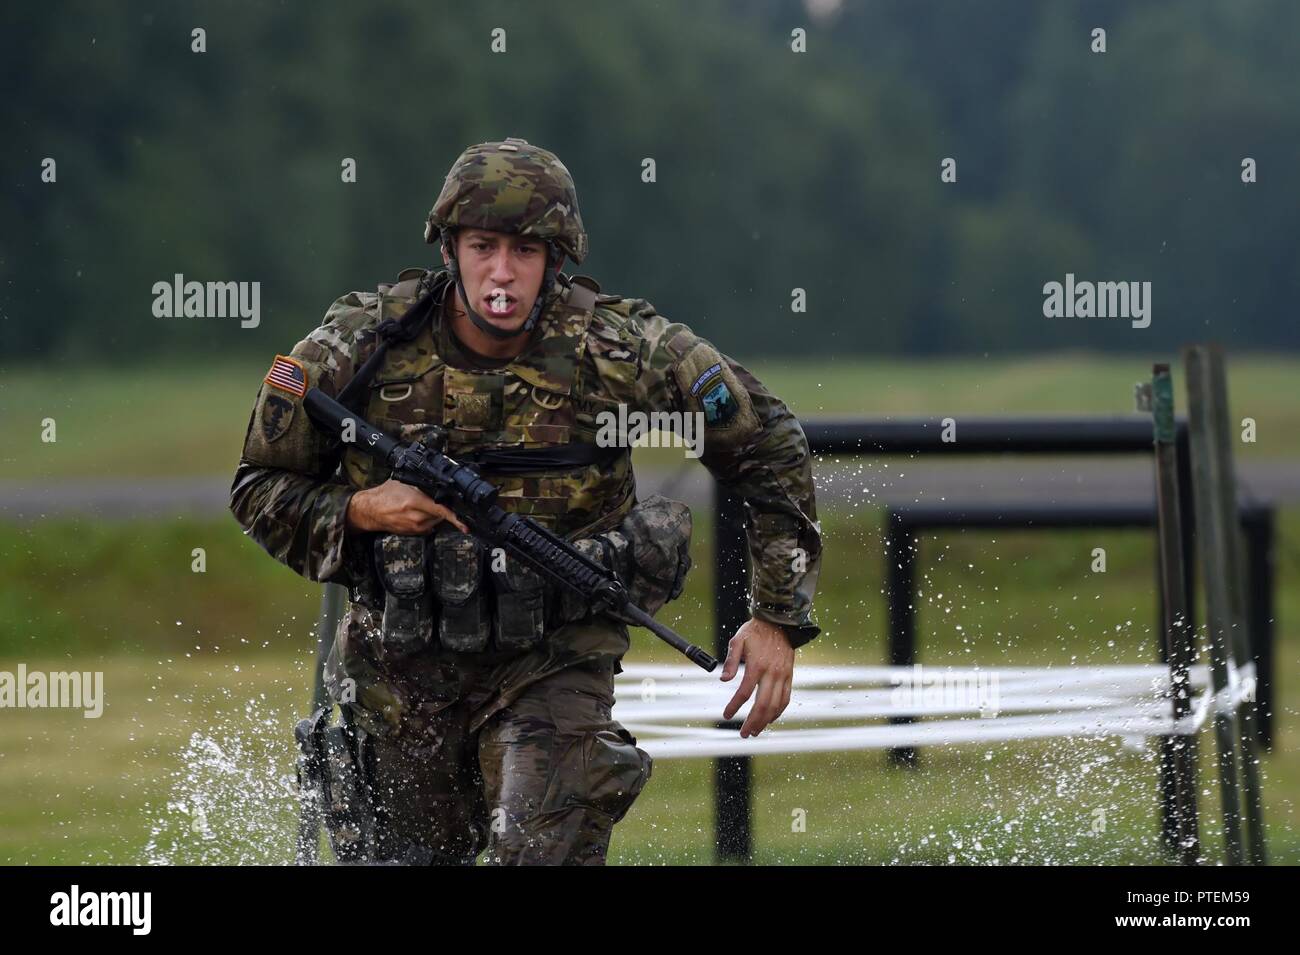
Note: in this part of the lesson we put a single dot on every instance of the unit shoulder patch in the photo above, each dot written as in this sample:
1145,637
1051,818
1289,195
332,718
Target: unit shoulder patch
277,415
719,404
709,386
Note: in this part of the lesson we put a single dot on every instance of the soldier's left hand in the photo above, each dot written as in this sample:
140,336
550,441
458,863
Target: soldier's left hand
769,666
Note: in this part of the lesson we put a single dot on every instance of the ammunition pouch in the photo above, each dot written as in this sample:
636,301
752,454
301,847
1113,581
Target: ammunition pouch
649,553
658,534
450,585
521,601
408,610
465,624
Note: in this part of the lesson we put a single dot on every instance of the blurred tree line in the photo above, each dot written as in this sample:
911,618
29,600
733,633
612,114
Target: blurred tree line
775,170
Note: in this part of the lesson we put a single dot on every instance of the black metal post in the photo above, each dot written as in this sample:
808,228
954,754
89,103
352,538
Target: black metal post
1167,746
1220,436
900,553
1187,520
1177,772
333,600
1259,559
1187,530
733,838
1215,543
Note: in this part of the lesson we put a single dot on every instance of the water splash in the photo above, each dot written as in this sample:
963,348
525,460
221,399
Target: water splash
234,798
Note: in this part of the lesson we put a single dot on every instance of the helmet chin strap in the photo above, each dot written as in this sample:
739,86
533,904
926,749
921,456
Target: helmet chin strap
548,282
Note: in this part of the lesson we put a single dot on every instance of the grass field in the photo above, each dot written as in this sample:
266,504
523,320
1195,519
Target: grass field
206,672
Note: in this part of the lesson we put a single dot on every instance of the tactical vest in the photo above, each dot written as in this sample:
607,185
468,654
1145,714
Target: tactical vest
449,585
535,401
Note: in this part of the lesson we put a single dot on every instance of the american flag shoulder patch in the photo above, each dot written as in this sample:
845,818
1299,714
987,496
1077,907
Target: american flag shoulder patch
287,374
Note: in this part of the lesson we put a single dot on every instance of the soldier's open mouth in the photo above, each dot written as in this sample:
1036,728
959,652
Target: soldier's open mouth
500,302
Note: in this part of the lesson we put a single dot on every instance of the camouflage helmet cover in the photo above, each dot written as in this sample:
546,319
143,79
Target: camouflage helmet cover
515,187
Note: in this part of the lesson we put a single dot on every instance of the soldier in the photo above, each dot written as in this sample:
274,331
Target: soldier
477,701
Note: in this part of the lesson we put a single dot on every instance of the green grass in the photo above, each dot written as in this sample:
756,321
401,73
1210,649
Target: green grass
189,418
182,418
82,585
199,715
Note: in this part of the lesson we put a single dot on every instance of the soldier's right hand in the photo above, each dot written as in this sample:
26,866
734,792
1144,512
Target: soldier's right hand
397,508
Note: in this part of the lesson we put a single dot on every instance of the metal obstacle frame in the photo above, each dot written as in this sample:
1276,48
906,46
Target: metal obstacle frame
1200,469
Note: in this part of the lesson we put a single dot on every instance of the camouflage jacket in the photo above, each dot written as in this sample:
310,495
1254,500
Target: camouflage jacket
292,487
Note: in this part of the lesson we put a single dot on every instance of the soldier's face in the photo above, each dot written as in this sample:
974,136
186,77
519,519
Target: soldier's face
502,274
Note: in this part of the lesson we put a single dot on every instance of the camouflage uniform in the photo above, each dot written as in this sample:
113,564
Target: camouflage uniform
514,748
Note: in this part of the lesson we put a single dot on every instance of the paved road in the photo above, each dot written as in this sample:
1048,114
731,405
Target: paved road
868,482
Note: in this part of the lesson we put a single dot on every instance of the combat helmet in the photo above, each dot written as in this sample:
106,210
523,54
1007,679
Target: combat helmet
515,187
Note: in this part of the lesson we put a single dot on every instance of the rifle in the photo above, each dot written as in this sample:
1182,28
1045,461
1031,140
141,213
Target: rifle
473,499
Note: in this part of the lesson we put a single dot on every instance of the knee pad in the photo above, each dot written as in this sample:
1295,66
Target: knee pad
604,771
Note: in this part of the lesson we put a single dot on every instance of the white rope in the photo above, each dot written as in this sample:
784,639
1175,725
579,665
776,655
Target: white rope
674,710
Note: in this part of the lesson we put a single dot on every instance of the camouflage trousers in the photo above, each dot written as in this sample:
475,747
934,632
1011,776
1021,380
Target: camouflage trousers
516,757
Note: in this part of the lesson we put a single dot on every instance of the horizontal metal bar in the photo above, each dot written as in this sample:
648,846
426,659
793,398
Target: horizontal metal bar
1100,514
1118,434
